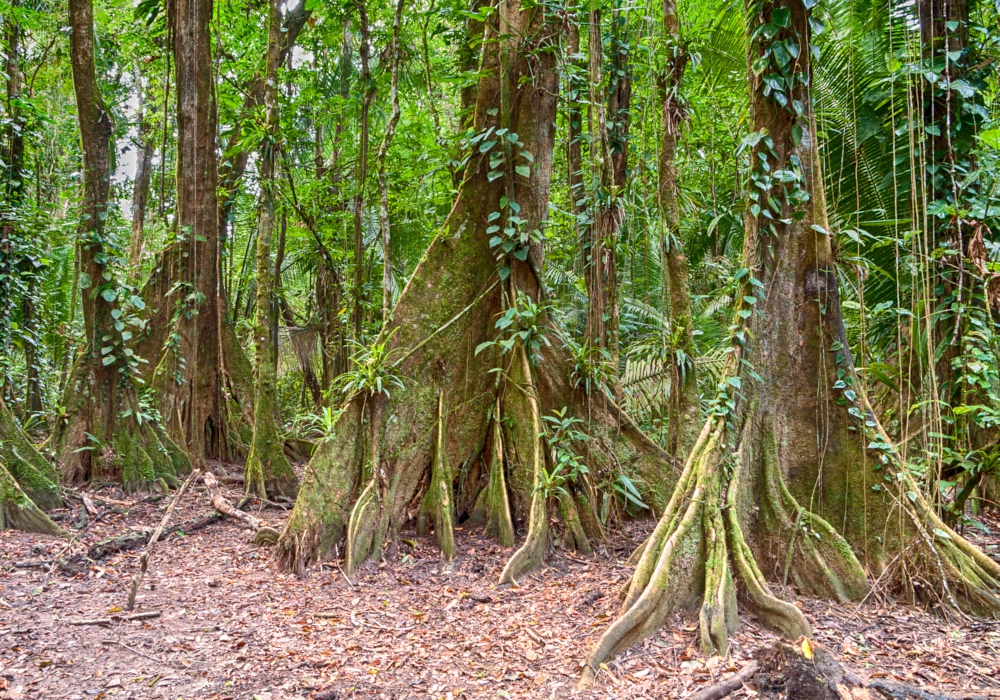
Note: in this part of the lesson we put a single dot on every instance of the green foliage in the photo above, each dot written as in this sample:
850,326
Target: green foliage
373,371
522,323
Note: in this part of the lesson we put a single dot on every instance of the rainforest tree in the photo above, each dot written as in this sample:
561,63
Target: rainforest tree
780,484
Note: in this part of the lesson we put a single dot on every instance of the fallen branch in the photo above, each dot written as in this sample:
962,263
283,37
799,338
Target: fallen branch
252,522
138,538
144,561
115,618
728,685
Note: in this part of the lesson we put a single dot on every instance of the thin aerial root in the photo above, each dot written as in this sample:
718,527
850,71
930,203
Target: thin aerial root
498,518
437,503
532,552
637,553
360,529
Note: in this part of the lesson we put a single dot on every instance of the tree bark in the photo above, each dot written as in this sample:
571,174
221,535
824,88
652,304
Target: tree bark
267,472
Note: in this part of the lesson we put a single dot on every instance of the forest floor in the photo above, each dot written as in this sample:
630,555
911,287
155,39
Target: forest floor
412,626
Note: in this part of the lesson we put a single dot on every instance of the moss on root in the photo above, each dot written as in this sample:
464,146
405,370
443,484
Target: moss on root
329,489
36,475
532,552
267,472
437,503
499,523
19,512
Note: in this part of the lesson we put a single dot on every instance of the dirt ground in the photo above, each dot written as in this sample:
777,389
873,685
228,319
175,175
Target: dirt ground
412,626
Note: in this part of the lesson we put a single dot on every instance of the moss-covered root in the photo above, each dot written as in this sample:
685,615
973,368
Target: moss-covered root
532,553
267,472
323,506
818,560
437,503
499,523
19,512
964,577
718,616
775,614
36,475
685,558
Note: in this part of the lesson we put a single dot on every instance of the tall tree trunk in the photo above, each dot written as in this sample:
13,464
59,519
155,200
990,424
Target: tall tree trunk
610,164
203,374
683,416
388,461
367,95
383,184
267,472
105,434
575,97
194,402
814,485
146,147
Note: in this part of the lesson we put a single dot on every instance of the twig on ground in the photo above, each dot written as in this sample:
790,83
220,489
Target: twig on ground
115,618
135,651
144,561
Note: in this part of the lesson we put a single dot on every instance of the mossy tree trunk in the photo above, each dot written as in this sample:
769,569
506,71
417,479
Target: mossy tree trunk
267,471
684,411
792,479
373,476
105,433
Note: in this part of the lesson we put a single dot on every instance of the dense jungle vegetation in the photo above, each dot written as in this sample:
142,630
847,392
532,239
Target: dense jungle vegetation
545,265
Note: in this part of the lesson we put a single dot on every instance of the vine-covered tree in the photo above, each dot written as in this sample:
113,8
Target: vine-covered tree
792,478
106,433
448,389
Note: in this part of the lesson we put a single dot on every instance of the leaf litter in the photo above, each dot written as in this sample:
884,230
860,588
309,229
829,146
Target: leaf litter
411,626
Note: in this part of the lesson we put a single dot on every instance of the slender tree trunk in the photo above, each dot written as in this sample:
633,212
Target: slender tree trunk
267,472
684,408
610,163
146,147
197,401
383,185
367,95
575,89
